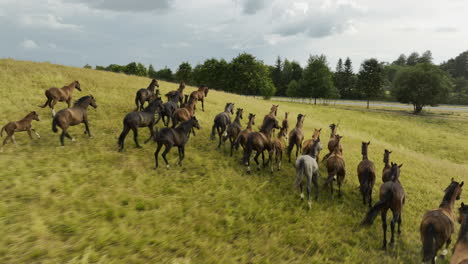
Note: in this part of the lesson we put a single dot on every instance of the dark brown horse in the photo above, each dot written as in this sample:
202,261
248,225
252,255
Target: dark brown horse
221,122
386,170
200,95
279,146
18,126
234,129
179,91
392,196
296,136
260,141
146,95
243,135
438,225
73,116
366,175
332,141
169,108
336,167
134,120
63,94
170,137
460,251
306,145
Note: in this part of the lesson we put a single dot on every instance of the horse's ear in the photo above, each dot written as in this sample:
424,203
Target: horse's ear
368,143
462,205
320,130
461,184
452,180
401,165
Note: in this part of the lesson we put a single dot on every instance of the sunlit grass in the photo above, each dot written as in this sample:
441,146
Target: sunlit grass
87,203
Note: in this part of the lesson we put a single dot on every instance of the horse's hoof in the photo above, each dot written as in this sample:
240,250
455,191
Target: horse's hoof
444,252
310,205
138,147
167,166
73,140
302,196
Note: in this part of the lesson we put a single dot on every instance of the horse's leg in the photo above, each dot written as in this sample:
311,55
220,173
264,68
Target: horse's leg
256,159
309,188
392,227
339,187
29,133
135,136
220,134
297,149
399,224
37,134
315,181
166,150
122,137
331,188
62,136
156,153
384,227
52,104
68,136
87,128
263,158
180,156
231,143
69,102
151,133
370,195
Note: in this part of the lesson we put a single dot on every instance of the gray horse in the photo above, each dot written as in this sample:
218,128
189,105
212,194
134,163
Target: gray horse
306,164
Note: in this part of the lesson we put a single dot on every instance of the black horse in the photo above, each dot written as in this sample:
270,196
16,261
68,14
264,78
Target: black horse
170,137
221,122
169,108
145,118
146,95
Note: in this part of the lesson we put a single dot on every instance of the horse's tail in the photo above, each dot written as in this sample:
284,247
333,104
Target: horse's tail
48,101
300,171
429,250
290,145
366,174
212,137
370,217
123,134
54,124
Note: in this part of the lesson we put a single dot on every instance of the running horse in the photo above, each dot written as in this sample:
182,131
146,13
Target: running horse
460,251
179,91
146,95
200,95
63,94
18,126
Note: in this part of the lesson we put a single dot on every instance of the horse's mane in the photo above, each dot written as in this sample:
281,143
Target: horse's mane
267,123
393,173
81,100
449,191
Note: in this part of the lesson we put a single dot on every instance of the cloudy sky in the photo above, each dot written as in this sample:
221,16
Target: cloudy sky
167,32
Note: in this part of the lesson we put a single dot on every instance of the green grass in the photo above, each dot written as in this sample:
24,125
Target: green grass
87,203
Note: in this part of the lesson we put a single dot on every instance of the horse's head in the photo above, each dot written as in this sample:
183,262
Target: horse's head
239,112
230,107
182,85
364,147
462,212
78,86
395,171
196,124
456,187
252,118
92,101
316,134
316,147
34,115
386,156
286,115
155,82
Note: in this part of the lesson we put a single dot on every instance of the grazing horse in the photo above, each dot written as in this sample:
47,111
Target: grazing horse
392,196
63,94
184,113
146,95
460,251
336,166
221,122
170,137
278,147
366,175
234,128
179,91
18,126
144,118
332,142
169,108
73,116
438,225
308,143
260,141
296,136
200,95
306,164
242,138
386,170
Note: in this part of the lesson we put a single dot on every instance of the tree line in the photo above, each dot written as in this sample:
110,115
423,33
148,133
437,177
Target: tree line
412,79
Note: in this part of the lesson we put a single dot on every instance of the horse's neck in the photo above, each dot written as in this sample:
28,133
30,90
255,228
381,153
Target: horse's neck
237,120
463,235
266,130
449,203
227,110
249,125
299,124
70,87
364,156
185,128
333,133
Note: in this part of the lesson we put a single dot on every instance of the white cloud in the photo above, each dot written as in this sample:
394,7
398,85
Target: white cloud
29,44
49,21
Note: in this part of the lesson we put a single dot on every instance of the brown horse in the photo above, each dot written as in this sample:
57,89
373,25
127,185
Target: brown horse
179,91
332,142
392,196
63,94
386,170
273,112
278,147
234,128
200,95
184,113
146,95
296,136
460,251
438,225
309,142
242,138
260,141
221,122
285,125
73,116
336,167
18,126
366,175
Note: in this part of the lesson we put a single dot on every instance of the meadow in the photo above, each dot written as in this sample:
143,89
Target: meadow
88,203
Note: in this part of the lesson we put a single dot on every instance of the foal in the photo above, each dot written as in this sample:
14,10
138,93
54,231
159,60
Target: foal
200,95
221,122
278,147
308,143
386,170
296,136
336,166
242,138
73,116
18,126
170,137
169,108
307,165
179,91
146,95
184,113
366,175
234,128
332,142
438,225
285,125
392,196
460,251
63,94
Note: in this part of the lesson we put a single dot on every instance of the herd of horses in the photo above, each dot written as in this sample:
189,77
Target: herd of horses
178,117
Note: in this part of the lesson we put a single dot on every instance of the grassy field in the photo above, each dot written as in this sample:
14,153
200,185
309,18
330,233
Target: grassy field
87,203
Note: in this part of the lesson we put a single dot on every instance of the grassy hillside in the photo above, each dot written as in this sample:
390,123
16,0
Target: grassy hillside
87,203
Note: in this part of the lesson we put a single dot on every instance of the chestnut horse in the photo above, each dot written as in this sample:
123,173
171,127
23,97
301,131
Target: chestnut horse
242,138
460,251
184,113
336,167
63,94
234,128
392,196
386,170
438,225
296,136
332,142
179,91
306,145
18,126
146,95
278,147
221,122
200,95
285,125
366,175
73,116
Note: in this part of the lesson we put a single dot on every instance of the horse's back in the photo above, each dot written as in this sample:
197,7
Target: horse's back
443,225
